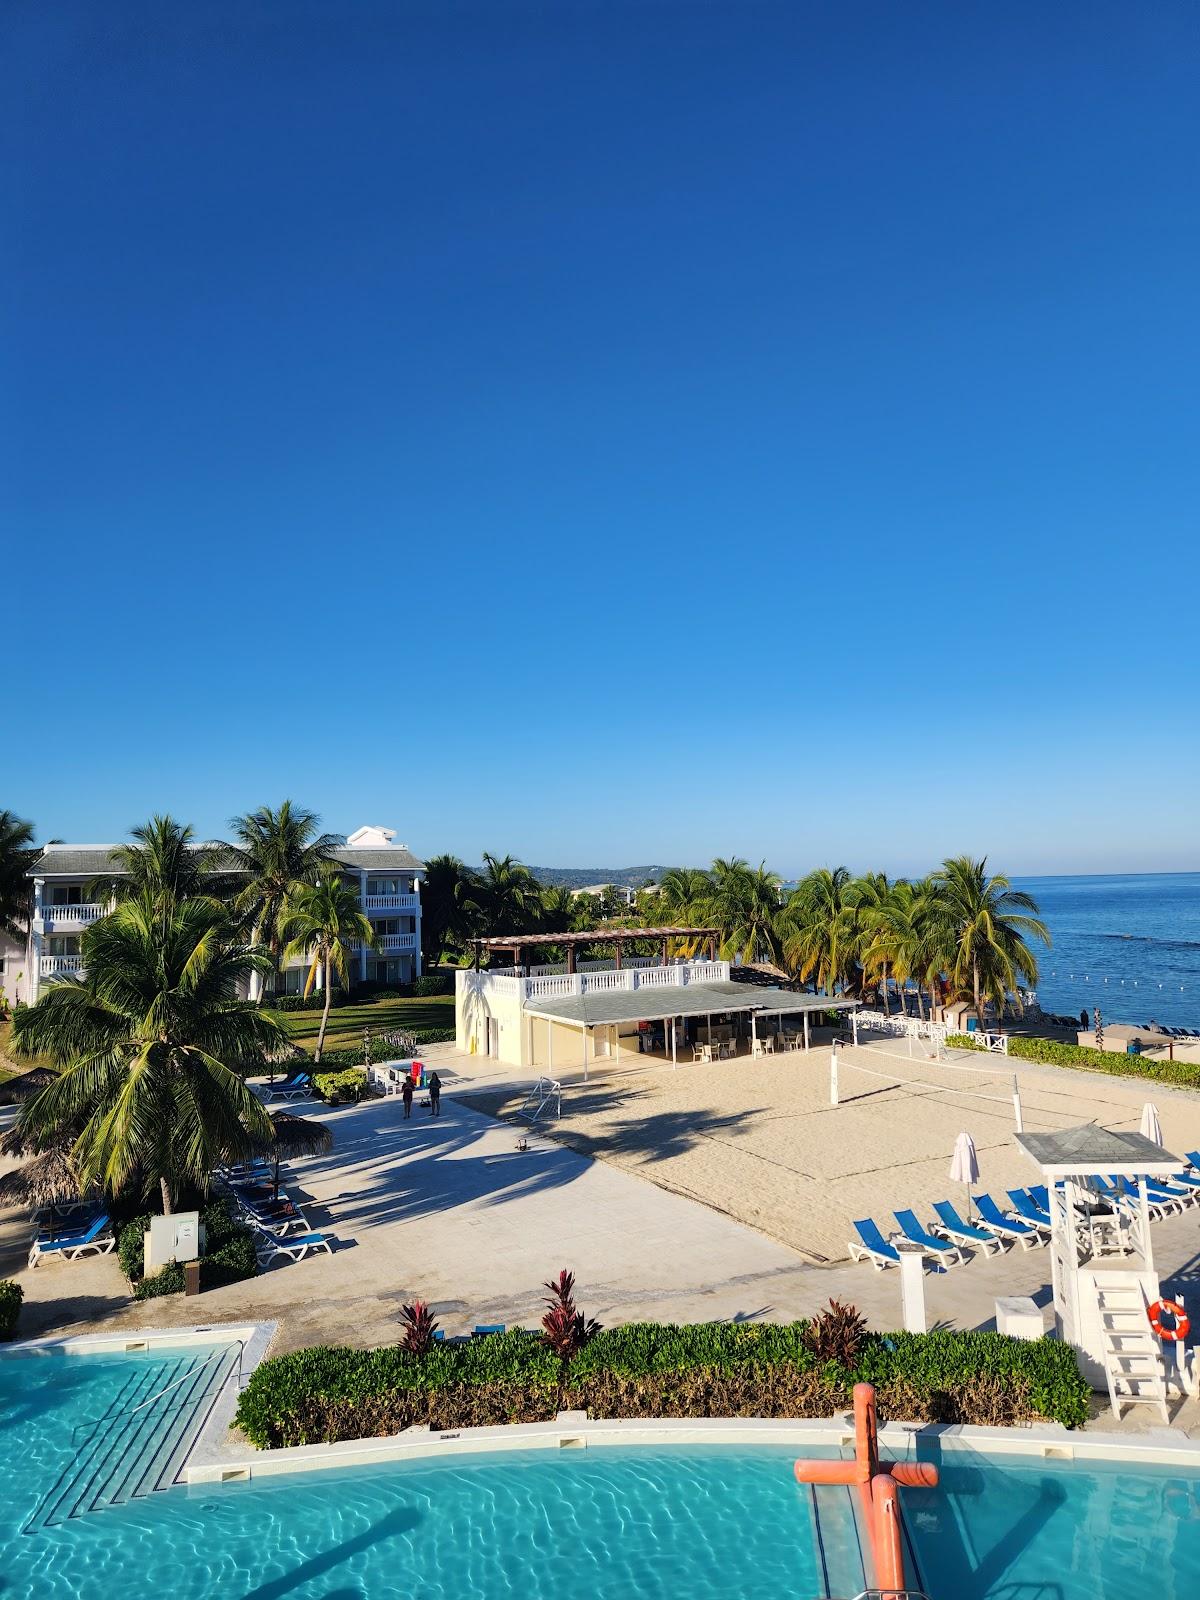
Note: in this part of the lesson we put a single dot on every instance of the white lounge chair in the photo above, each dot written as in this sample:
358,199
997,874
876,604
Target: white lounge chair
295,1249
91,1241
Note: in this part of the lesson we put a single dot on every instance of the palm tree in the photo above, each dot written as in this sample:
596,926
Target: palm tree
507,895
322,921
744,905
900,938
17,854
164,866
149,1042
277,850
559,910
445,907
683,891
981,925
869,895
818,929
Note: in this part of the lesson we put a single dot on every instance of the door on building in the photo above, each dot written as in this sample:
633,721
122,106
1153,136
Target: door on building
493,1038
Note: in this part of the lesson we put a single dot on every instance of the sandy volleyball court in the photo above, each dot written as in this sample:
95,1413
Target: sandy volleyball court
760,1141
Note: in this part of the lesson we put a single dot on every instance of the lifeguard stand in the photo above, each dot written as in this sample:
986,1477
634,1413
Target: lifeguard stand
1102,1255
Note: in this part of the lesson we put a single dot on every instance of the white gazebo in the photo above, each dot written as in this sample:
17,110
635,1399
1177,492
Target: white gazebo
1102,1255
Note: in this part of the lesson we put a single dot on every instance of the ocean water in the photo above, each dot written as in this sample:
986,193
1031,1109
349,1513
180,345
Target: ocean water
1129,944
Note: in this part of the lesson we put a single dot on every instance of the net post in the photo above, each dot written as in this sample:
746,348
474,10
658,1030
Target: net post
1020,1121
833,1075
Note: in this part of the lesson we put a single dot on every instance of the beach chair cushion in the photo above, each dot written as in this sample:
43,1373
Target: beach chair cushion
954,1224
995,1218
873,1242
1024,1203
913,1229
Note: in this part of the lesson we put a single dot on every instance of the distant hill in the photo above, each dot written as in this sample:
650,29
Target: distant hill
581,877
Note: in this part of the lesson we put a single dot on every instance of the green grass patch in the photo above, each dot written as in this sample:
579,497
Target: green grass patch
348,1023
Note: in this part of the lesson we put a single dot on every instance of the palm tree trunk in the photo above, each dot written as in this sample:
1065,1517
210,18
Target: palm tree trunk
165,1189
978,997
920,1002
324,1013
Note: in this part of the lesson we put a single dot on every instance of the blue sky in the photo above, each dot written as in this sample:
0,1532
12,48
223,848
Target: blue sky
611,433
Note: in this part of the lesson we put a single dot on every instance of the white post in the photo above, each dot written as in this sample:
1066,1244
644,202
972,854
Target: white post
1020,1121
833,1079
550,1046
417,924
753,1035
854,1024
362,906
674,1057
806,1034
912,1290
585,1063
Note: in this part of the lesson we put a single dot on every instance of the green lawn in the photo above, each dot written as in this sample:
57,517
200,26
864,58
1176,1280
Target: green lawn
346,1023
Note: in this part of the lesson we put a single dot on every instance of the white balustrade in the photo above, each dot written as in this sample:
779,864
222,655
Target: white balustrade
550,983
391,902
388,942
56,966
74,916
705,972
658,977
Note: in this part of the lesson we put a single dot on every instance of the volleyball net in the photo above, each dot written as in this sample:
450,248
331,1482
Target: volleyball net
920,1076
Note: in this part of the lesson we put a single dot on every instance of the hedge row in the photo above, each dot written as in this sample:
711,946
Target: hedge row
228,1254
648,1369
11,1297
1081,1057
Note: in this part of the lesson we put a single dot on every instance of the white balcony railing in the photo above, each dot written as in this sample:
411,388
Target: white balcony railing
74,916
550,986
58,966
391,902
388,943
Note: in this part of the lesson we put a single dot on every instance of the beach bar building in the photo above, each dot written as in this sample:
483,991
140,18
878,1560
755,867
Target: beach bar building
568,1014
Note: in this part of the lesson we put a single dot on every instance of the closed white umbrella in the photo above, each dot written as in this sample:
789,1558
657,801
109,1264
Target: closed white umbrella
1151,1126
964,1168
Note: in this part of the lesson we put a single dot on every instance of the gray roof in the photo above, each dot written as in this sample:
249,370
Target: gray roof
95,861
652,1004
1093,1149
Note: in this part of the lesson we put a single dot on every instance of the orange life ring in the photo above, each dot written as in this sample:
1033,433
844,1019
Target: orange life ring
1183,1323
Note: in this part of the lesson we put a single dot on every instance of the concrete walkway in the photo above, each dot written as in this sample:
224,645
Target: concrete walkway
450,1211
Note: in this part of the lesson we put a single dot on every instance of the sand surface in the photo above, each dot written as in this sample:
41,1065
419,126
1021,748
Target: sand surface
759,1140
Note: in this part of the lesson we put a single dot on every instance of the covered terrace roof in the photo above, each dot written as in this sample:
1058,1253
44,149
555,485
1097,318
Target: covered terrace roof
692,1000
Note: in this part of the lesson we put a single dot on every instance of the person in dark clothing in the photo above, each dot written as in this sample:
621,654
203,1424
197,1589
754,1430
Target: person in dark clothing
435,1095
406,1094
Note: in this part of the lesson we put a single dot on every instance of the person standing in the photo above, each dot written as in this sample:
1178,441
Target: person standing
435,1095
406,1094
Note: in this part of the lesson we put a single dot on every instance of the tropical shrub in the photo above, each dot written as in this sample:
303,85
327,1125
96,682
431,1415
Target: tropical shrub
1050,1053
434,983
564,1327
420,1326
651,1369
347,1084
11,1297
836,1334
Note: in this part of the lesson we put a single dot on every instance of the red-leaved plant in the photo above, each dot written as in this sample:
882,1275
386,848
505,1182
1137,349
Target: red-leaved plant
564,1327
419,1328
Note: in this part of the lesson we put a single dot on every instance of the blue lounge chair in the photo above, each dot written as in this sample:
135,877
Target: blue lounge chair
940,1251
481,1330
1170,1190
1008,1227
297,1088
872,1246
269,1247
89,1241
952,1225
1028,1209
274,1217
1158,1205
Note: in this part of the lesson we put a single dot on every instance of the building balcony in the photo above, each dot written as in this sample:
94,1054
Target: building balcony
81,916
544,985
390,943
62,966
373,903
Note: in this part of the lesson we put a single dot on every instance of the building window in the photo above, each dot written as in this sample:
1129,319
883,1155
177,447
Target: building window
64,945
66,895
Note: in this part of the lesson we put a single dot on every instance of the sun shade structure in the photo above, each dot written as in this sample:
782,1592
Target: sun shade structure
1093,1151
294,1137
696,1000
48,1180
27,1085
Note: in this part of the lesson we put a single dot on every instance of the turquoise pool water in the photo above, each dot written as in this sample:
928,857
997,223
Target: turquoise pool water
685,1522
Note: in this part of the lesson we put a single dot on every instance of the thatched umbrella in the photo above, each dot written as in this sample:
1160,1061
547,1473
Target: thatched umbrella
48,1181
27,1085
295,1136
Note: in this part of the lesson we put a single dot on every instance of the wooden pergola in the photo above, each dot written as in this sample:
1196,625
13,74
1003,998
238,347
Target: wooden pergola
516,944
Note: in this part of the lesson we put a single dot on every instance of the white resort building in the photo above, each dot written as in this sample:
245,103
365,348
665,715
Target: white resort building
387,876
566,1014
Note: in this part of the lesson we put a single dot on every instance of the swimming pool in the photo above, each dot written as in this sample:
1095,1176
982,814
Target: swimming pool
701,1522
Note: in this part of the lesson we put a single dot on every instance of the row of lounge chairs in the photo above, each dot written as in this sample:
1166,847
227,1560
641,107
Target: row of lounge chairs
1026,1222
277,1221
